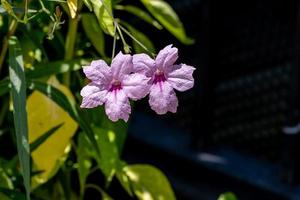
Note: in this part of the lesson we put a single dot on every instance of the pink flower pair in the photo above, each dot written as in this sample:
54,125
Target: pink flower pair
133,77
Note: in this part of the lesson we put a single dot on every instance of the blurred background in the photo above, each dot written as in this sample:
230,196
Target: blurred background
227,134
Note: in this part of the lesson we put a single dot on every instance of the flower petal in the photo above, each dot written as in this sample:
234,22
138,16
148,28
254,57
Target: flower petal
117,106
166,57
98,72
92,95
136,86
181,77
163,98
143,64
121,65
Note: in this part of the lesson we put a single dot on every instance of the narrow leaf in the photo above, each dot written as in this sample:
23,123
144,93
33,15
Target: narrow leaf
142,38
93,32
34,145
141,14
165,14
18,90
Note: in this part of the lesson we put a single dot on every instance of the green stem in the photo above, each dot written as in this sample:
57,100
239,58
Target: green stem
70,46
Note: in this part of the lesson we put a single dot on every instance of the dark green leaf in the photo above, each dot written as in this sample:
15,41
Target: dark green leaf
164,13
93,32
12,194
142,38
18,90
141,14
44,137
56,67
4,86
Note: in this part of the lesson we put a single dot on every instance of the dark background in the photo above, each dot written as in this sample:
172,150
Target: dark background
227,133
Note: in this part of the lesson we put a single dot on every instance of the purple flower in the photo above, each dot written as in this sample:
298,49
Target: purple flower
113,86
164,78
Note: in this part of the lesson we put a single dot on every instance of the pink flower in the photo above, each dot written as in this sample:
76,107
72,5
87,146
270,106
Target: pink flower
164,78
113,86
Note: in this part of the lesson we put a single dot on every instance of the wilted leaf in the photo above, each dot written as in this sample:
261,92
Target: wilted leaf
44,114
93,32
164,13
148,182
72,4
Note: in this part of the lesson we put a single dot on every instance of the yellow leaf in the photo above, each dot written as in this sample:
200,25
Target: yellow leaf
44,114
72,4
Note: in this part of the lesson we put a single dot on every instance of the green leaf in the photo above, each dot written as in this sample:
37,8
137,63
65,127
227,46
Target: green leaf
227,196
108,162
18,90
4,86
58,97
84,155
93,32
148,182
12,194
103,12
56,67
88,4
34,145
141,14
5,182
142,38
164,13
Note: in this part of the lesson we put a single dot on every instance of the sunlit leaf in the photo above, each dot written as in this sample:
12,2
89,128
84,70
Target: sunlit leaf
164,13
148,182
104,14
60,99
72,4
93,32
18,90
142,38
44,114
227,196
141,14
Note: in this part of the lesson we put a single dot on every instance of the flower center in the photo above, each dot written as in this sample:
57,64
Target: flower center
115,85
159,76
